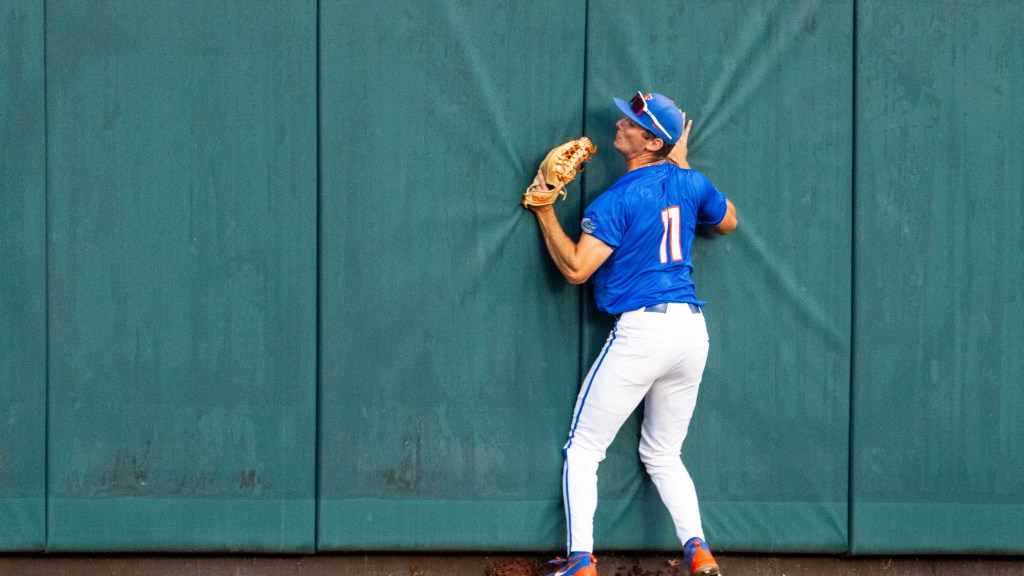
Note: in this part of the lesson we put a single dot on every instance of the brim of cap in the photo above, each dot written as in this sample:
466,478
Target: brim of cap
627,109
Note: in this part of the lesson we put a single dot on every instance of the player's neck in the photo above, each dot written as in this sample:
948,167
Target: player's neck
641,160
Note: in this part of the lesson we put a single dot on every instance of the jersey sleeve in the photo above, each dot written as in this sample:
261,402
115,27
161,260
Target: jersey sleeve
606,219
712,207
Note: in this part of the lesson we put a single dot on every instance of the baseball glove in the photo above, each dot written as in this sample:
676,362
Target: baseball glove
558,168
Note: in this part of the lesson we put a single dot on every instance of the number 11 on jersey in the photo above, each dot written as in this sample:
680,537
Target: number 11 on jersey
670,219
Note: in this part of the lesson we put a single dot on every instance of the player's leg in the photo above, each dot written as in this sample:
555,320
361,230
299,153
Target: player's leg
614,387
667,411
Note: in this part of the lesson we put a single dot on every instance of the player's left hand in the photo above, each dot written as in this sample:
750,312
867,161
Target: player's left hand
678,154
539,183
558,168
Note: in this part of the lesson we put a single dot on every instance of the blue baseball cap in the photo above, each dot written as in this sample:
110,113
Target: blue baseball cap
656,113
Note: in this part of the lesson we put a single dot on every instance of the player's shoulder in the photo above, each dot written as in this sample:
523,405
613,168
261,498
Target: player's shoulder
647,183
695,175
691,181
684,173
644,177
622,188
667,174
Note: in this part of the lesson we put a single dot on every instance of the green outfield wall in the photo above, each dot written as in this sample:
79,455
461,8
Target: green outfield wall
449,348
181,242
22,278
938,394
265,285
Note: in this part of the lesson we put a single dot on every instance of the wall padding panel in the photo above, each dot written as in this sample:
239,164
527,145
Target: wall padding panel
768,86
938,414
22,278
449,342
182,254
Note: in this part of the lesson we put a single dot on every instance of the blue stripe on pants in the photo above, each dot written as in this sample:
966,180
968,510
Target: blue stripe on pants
572,433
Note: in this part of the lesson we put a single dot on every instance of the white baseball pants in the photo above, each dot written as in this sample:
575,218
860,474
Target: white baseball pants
653,355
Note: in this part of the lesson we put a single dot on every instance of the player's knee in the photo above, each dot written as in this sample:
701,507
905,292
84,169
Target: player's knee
578,452
654,459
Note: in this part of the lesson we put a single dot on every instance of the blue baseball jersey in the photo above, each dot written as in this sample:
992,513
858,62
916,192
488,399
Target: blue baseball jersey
648,217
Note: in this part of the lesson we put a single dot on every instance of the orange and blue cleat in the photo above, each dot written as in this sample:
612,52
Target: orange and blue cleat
577,564
699,558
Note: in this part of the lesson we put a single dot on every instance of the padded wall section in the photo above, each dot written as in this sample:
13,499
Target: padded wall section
22,278
938,373
182,250
768,86
449,343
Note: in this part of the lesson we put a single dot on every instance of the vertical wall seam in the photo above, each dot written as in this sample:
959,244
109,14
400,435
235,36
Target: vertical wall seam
580,296
853,271
46,295
317,292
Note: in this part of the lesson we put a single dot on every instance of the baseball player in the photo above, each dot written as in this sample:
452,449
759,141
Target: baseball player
635,244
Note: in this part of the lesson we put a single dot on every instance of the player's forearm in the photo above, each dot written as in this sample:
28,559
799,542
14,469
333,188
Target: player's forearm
679,159
561,248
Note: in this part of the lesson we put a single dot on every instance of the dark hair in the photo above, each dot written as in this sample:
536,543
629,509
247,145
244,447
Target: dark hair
665,149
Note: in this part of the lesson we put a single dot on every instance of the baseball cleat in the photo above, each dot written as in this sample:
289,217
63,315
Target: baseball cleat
577,564
699,558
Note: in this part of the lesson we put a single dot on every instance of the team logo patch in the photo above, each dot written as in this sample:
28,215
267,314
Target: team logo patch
588,225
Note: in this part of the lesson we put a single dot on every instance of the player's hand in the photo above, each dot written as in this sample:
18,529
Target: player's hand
539,183
678,154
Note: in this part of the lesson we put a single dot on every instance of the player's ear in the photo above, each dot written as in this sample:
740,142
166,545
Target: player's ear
655,144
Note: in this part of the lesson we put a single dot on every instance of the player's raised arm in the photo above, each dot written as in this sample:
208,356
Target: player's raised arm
729,221
678,157
678,154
